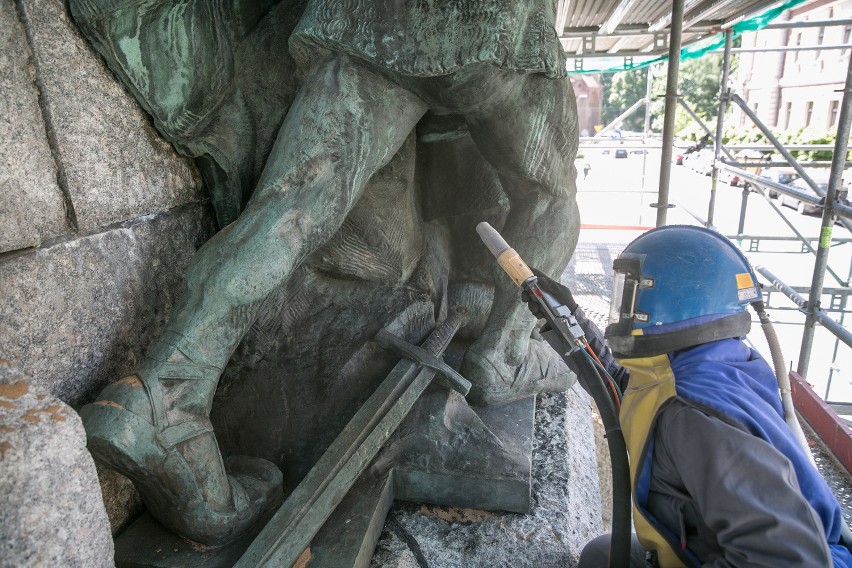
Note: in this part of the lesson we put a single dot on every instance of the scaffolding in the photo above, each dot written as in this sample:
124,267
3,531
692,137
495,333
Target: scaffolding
826,198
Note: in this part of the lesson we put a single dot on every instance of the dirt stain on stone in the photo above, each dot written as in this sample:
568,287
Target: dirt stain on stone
556,536
56,413
14,391
6,429
110,403
6,404
197,546
52,412
4,447
303,559
457,515
131,380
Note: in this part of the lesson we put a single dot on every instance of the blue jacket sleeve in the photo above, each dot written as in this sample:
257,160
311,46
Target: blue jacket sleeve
743,490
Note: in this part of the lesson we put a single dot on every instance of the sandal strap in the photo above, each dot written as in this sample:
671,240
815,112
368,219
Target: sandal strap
175,372
174,435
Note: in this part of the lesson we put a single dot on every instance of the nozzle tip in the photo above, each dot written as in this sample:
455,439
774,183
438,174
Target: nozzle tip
492,239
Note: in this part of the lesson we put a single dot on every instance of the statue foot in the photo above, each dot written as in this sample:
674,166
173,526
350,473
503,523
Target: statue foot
496,380
177,468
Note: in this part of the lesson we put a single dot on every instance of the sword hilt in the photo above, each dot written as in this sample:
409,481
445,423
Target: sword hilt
437,342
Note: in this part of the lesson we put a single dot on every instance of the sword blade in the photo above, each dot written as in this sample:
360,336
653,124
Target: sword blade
301,516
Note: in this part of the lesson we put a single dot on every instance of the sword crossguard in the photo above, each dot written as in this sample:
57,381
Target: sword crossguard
423,357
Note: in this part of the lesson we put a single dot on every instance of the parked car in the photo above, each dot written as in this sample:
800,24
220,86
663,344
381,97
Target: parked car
700,161
727,176
808,208
779,176
753,162
621,153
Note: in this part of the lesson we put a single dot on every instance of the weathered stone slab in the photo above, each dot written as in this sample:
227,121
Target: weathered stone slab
566,506
146,544
78,315
31,203
51,512
114,164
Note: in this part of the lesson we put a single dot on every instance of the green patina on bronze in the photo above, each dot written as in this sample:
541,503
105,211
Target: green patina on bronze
337,221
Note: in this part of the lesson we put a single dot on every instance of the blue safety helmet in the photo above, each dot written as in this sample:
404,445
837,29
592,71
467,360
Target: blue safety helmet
678,286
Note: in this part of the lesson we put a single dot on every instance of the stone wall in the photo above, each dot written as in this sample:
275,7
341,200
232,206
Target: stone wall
99,217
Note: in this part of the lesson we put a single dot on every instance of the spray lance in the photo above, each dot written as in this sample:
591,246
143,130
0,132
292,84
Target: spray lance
567,336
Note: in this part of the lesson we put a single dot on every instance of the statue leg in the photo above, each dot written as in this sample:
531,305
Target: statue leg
527,130
154,427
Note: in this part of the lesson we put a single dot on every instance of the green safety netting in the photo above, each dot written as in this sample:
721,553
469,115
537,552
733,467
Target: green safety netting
701,47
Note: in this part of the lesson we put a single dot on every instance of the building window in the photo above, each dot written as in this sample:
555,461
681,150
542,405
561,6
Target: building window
788,110
833,110
847,34
809,111
798,44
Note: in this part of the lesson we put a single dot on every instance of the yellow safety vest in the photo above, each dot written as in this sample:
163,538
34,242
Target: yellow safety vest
651,385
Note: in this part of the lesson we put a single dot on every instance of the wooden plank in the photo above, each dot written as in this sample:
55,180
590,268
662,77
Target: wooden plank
825,422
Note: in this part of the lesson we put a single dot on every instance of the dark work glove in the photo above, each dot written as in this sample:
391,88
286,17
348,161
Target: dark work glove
593,334
555,289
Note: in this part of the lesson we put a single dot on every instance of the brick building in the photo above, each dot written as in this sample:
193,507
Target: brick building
793,89
588,92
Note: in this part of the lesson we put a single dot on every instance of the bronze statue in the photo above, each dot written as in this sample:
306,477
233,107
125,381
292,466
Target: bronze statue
287,133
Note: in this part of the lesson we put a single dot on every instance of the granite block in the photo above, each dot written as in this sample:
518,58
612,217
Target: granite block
31,201
566,510
80,314
51,510
113,162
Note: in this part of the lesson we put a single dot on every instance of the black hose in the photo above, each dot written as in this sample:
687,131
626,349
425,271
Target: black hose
590,380
593,383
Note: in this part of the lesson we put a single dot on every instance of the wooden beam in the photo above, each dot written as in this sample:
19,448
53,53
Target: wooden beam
833,431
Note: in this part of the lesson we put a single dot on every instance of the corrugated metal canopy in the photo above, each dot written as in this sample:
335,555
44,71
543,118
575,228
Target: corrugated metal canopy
593,28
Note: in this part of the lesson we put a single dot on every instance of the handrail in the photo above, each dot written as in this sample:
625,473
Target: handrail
827,322
796,298
840,209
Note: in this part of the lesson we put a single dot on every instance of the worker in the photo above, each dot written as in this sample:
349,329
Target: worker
717,476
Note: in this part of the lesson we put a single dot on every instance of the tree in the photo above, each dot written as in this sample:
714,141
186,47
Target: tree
698,85
625,89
